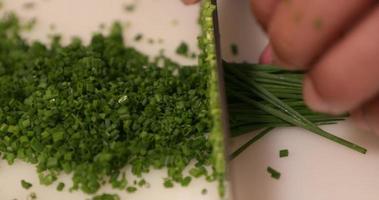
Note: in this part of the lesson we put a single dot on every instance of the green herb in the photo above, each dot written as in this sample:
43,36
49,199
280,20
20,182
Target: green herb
32,196
186,181
274,174
248,143
102,26
49,178
60,186
283,153
182,49
275,96
26,185
142,182
92,109
138,37
130,7
234,49
204,191
131,189
168,183
106,197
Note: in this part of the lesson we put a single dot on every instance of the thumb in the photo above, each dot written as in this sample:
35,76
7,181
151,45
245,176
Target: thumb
263,10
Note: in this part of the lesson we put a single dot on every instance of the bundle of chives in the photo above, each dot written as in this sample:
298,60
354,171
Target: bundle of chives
262,96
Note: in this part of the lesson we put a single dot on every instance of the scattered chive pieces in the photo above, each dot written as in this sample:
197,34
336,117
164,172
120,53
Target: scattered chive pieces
60,186
168,183
102,26
106,197
186,181
142,182
283,153
131,189
32,196
26,185
138,37
204,191
234,49
130,7
71,115
182,49
248,143
274,174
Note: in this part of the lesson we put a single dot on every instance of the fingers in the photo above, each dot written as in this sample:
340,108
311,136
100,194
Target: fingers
190,2
263,10
347,75
301,30
367,117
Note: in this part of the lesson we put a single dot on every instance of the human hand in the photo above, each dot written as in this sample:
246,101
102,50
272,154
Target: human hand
337,42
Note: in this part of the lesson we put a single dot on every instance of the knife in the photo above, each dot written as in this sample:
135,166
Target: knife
225,129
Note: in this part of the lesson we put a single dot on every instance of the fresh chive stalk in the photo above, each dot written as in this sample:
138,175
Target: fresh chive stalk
260,97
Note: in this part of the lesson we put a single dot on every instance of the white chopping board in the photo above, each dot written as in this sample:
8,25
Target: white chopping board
316,168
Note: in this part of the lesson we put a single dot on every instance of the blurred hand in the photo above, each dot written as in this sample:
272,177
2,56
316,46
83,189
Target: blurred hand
337,42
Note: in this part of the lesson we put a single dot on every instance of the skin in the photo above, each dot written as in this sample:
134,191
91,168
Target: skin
336,42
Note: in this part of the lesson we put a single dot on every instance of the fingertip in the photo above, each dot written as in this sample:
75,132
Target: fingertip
315,101
266,56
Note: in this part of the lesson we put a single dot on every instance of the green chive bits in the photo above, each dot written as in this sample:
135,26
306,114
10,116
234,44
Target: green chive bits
274,174
283,153
26,185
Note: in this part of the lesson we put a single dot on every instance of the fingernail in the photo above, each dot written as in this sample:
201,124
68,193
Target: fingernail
313,99
266,56
189,2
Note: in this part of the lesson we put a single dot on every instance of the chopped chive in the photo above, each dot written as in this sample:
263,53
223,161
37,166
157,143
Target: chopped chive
283,153
131,189
26,185
130,7
234,49
204,191
138,37
274,174
106,197
32,196
182,49
168,183
186,181
247,144
142,182
60,186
